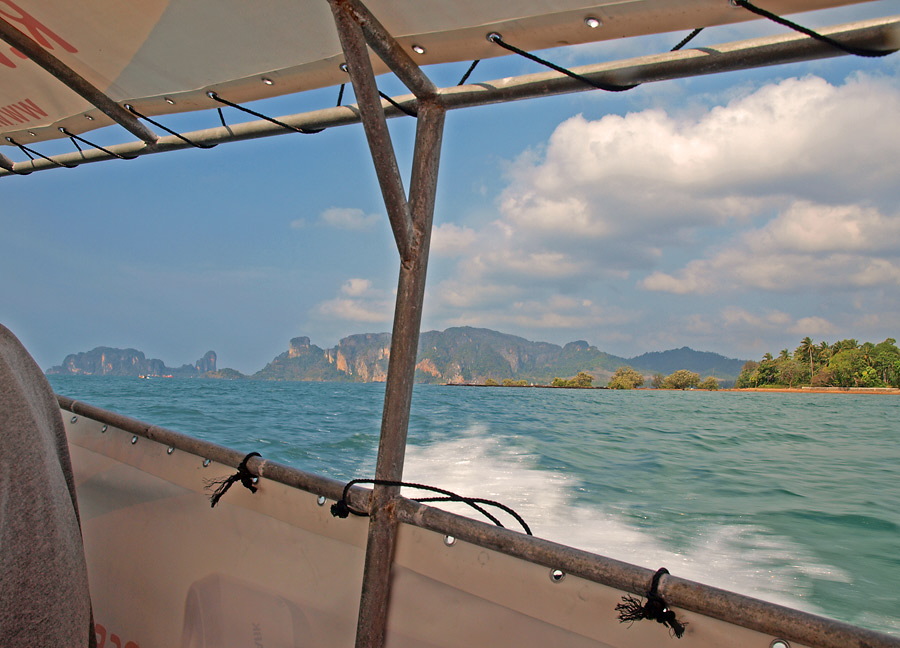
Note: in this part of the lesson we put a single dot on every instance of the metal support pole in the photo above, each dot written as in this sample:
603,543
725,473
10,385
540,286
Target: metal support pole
374,599
76,82
372,115
6,163
389,51
411,222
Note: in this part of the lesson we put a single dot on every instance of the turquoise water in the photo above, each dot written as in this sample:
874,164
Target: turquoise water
793,498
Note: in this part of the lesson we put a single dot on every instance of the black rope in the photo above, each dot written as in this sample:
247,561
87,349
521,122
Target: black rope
465,76
633,609
609,87
184,139
342,509
687,39
27,151
248,480
408,111
305,131
850,49
73,137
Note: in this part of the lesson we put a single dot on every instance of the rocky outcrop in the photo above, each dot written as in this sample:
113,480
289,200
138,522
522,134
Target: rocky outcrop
107,361
207,363
457,355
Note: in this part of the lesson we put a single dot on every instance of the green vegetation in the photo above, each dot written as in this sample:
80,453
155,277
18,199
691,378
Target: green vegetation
225,374
681,379
507,382
846,363
626,378
582,380
709,383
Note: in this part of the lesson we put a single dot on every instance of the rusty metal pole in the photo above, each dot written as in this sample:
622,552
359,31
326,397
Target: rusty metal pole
359,67
375,596
411,221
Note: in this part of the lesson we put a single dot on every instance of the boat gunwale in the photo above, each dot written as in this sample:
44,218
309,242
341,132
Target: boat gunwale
745,611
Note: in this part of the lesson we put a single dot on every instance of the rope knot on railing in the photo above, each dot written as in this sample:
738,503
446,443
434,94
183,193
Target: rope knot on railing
248,480
633,609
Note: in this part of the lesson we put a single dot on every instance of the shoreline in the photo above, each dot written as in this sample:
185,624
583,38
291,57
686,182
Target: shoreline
819,390
882,391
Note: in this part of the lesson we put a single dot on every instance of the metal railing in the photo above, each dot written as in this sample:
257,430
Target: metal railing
754,614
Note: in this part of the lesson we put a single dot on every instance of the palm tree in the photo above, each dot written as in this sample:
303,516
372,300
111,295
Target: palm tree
867,348
806,350
844,345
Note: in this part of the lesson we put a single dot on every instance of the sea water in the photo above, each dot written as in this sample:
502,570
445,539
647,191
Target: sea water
793,498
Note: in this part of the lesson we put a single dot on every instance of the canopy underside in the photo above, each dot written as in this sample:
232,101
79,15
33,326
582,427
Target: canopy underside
164,56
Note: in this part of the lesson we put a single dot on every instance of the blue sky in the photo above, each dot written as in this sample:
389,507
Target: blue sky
734,213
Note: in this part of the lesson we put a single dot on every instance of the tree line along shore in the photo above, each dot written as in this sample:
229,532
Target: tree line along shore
841,366
624,377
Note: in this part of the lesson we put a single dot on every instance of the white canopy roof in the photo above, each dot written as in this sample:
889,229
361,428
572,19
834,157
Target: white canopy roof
163,56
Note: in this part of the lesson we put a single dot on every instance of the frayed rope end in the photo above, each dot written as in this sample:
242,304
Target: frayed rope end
243,474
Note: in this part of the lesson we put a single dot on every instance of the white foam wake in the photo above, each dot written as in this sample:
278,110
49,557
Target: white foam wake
742,558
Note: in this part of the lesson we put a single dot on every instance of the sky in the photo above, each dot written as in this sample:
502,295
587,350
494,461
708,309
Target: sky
735,213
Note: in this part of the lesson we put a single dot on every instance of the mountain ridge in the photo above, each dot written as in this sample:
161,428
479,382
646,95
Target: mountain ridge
461,354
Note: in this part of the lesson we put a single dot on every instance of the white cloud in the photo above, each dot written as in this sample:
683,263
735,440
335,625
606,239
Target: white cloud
652,177
783,190
736,317
358,302
806,227
356,287
449,240
806,246
813,326
348,218
355,311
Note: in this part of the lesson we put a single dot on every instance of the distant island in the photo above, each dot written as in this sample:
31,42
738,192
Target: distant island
458,355
106,361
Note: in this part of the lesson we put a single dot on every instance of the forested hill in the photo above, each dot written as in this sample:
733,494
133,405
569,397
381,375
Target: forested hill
466,354
701,362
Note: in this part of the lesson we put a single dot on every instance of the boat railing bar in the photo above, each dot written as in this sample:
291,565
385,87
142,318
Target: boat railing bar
260,466
75,82
881,33
748,612
793,625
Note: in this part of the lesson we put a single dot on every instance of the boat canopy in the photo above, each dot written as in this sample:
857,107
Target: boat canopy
71,67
